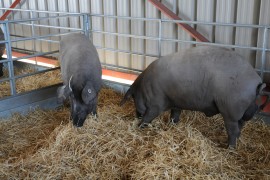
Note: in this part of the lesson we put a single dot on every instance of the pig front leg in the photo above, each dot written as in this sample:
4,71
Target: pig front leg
175,116
233,132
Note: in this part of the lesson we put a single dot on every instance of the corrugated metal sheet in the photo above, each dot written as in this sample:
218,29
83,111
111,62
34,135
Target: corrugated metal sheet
123,26
228,11
137,28
151,30
205,13
110,25
247,13
264,19
225,13
97,24
168,32
186,11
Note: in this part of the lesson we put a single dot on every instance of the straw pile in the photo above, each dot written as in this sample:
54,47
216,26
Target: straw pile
45,145
31,82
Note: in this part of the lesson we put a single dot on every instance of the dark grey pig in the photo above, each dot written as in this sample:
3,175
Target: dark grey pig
81,74
208,79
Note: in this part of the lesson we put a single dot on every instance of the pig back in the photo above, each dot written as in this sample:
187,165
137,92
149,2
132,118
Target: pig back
79,57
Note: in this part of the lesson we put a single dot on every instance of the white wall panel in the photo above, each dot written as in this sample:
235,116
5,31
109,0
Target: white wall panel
205,13
186,11
137,28
225,13
109,8
123,27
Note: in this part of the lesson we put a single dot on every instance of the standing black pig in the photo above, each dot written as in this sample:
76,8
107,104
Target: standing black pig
208,79
81,74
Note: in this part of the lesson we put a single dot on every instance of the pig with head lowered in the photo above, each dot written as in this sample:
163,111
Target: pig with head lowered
208,79
81,74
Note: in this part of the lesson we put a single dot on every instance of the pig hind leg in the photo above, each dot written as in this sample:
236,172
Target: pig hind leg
150,114
175,116
249,113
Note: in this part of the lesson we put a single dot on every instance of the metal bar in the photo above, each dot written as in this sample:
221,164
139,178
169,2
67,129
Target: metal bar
29,74
45,36
178,40
159,37
47,26
127,52
33,34
263,59
10,62
86,25
40,18
13,5
195,34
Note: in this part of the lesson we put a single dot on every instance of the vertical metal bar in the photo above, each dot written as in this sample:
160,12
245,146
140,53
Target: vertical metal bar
86,25
10,61
33,35
263,60
159,37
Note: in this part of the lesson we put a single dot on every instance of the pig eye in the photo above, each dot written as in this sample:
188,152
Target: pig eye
89,91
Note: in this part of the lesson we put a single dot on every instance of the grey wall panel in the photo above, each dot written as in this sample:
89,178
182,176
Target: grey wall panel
186,11
225,13
169,31
247,13
123,26
109,7
97,24
137,28
205,12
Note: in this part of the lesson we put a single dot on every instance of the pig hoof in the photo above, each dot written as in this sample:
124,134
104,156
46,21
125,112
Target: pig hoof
95,116
231,147
143,125
174,121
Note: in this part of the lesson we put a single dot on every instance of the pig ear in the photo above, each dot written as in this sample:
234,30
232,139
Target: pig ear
62,94
88,93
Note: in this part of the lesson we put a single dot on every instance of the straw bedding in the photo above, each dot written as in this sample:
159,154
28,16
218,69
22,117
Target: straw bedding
45,145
